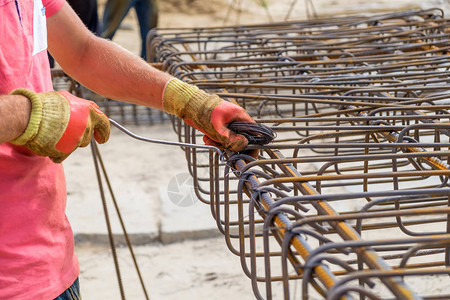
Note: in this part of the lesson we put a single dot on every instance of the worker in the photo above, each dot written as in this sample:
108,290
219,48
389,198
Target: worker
116,10
40,127
87,12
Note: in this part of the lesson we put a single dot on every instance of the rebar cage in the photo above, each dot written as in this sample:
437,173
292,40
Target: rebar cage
352,198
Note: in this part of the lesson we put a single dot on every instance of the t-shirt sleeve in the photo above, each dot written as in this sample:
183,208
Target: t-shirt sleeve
52,6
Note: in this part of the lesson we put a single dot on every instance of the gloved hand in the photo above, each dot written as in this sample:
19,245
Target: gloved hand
208,113
61,122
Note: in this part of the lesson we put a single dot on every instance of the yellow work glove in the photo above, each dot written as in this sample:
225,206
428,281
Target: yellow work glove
61,122
206,112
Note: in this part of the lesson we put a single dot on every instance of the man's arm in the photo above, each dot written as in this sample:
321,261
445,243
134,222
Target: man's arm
115,73
13,124
101,65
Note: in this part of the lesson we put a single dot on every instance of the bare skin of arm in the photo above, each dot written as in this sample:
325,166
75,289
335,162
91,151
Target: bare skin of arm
13,124
101,65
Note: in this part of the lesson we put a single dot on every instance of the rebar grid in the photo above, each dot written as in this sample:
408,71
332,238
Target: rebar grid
352,199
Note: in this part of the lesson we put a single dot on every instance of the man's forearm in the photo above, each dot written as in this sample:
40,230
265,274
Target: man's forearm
103,66
111,71
14,116
117,74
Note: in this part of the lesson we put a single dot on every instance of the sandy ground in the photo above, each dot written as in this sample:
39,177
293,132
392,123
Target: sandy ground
202,269
191,269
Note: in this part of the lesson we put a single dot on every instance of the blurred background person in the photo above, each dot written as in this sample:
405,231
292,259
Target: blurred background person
116,10
87,11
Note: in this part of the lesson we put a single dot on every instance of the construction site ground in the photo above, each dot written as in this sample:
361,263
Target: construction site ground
179,250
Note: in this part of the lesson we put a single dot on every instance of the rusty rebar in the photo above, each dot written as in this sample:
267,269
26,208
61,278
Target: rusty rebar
352,197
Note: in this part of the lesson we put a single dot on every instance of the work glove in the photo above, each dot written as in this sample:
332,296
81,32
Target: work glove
60,123
207,113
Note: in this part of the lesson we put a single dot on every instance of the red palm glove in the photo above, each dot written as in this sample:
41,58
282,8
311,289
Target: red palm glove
60,123
208,113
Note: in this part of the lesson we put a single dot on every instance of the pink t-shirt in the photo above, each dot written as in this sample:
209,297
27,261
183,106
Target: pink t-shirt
37,258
